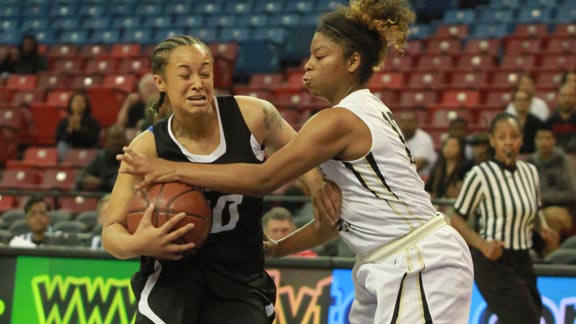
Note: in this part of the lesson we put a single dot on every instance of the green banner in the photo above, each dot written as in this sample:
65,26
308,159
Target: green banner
68,290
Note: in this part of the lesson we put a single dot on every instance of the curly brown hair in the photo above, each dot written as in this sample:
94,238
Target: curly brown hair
369,27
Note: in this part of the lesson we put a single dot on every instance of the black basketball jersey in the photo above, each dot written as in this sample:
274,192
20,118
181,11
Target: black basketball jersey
235,241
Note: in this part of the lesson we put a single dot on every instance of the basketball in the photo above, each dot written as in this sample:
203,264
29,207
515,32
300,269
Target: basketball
169,200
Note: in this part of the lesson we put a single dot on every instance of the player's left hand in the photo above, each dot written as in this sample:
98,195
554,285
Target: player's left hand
327,201
152,169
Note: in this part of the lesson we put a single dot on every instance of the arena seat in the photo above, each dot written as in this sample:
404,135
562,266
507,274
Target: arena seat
425,80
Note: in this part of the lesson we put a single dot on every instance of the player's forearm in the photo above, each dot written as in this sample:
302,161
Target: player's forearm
239,178
117,241
305,238
469,235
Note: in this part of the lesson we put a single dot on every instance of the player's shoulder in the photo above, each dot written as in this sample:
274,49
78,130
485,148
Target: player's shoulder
144,143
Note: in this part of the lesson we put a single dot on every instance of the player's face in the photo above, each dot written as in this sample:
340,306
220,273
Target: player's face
37,218
506,140
326,71
188,81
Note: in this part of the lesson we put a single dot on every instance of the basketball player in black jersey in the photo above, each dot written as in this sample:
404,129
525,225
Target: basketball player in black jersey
223,282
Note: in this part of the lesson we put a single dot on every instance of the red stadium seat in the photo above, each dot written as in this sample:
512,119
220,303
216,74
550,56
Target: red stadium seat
475,62
123,82
137,64
46,119
387,96
564,45
517,62
531,30
94,50
392,80
226,50
559,61
51,80
414,47
503,79
59,98
443,46
452,31
106,103
7,202
27,96
434,62
21,82
522,45
20,179
85,80
547,79
498,98
78,157
36,157
548,95
58,179
77,204
423,98
126,50
565,30
460,98
62,50
293,117
102,65
426,80
399,63
68,64
260,82
441,117
467,80
482,46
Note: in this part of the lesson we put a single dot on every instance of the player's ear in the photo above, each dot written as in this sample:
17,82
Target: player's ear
159,82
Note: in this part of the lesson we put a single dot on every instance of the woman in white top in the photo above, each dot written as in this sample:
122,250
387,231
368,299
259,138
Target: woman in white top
412,267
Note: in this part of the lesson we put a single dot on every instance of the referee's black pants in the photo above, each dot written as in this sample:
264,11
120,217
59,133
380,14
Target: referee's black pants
509,286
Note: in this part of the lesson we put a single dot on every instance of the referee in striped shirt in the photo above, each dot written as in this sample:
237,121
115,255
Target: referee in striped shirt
505,193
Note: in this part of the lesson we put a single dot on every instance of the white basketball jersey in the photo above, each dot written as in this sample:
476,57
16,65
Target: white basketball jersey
383,197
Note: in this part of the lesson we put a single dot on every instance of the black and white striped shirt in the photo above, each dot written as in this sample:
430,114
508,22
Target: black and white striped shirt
507,201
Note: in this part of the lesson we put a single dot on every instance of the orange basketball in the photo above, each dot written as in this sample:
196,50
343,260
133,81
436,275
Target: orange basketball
169,200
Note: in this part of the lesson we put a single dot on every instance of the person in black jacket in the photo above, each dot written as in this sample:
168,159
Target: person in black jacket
25,59
79,129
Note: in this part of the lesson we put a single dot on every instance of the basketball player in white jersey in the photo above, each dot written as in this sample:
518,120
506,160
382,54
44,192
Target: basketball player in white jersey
411,266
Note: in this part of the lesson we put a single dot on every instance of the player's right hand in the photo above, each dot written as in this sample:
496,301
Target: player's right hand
327,201
492,249
158,242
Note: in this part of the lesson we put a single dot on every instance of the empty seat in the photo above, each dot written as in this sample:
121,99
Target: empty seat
391,80
562,256
78,157
59,97
534,15
460,98
11,215
106,103
434,62
514,61
123,82
46,119
423,98
426,80
20,179
27,96
459,16
68,64
62,50
57,216
565,30
123,50
19,227
469,79
452,31
531,30
547,79
85,80
482,46
70,226
21,82
137,64
522,45
37,157
490,30
102,65
498,98
557,62
475,62
58,179
77,204
89,218
559,45
7,202
50,80
443,46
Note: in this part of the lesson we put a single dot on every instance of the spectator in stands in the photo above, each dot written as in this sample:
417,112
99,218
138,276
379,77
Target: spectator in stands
133,109
25,59
458,127
278,223
569,77
480,145
538,107
100,174
96,242
151,116
38,218
418,141
529,122
563,121
79,129
557,181
447,175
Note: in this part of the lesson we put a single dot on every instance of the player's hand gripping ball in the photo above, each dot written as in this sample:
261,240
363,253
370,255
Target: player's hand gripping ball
170,199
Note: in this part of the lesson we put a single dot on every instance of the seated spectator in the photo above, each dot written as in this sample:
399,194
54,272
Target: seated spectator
79,129
152,115
458,127
277,223
38,219
480,147
563,121
133,109
538,107
25,59
96,243
569,77
448,173
100,174
418,141
529,122
557,181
